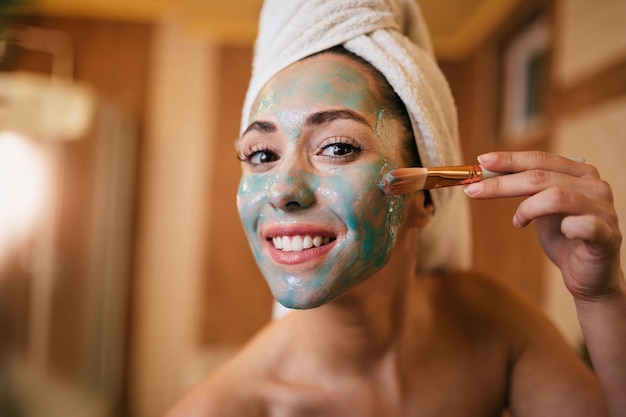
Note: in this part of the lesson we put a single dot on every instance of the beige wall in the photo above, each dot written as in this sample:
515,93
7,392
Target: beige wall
591,35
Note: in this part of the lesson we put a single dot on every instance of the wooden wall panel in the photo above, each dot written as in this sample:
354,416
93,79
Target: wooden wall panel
237,301
500,250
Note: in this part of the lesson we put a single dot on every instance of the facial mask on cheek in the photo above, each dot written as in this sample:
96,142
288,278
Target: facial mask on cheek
372,221
251,196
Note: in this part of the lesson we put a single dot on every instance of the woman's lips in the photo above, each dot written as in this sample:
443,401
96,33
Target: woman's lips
292,247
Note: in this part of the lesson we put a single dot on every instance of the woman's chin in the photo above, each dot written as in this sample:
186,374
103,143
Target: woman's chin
300,304
303,301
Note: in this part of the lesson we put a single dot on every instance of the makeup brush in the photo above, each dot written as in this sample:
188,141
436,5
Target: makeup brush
408,180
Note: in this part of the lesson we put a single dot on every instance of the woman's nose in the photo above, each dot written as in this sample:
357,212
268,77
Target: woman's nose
291,189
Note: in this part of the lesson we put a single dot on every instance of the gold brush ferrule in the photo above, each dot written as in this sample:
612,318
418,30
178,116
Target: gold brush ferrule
439,177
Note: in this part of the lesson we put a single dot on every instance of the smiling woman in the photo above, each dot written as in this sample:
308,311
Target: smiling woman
386,320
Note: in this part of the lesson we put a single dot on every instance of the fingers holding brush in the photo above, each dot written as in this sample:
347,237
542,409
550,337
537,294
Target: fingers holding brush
530,174
536,160
554,185
572,207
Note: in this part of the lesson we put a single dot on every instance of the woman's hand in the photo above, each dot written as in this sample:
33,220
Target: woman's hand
573,212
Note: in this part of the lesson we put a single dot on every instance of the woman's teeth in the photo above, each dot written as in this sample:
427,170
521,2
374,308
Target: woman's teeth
298,243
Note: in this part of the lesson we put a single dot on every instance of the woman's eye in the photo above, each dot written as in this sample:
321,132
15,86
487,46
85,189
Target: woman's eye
339,149
259,157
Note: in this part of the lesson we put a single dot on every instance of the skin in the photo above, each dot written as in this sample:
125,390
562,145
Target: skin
401,344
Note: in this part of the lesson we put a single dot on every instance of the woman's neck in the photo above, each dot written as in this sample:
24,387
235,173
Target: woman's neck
366,327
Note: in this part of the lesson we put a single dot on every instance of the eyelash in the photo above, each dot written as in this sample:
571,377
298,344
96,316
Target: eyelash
249,156
340,141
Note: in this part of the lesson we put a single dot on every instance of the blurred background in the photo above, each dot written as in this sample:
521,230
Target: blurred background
124,273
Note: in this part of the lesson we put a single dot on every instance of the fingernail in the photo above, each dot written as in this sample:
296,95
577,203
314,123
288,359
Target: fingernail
473,189
485,158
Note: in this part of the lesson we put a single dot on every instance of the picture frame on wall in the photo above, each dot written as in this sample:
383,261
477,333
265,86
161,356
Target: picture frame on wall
525,61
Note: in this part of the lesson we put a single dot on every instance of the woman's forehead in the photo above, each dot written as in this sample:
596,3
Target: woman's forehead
322,80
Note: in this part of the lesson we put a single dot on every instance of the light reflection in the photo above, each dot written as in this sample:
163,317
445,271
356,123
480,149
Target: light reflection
23,188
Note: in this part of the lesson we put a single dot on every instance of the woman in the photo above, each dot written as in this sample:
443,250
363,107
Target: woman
371,337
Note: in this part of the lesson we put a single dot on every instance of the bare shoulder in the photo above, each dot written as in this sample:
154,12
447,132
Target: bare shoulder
235,388
493,309
485,301
545,374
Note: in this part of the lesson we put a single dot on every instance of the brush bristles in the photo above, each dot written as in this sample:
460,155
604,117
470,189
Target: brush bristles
405,181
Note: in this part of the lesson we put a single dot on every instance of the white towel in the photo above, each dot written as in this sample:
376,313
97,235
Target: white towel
392,36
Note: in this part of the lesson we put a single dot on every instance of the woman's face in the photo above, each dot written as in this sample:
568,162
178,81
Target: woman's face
316,149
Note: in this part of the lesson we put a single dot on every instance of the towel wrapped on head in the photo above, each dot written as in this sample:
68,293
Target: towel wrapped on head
392,36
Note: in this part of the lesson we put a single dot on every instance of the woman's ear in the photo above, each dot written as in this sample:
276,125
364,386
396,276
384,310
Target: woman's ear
420,209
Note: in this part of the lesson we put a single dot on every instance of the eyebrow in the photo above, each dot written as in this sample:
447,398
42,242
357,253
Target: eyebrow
260,126
315,119
328,116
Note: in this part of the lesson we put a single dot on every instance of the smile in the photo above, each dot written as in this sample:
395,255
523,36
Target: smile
299,243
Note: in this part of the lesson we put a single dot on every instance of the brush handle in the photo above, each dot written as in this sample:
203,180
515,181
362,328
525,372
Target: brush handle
438,177
490,174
